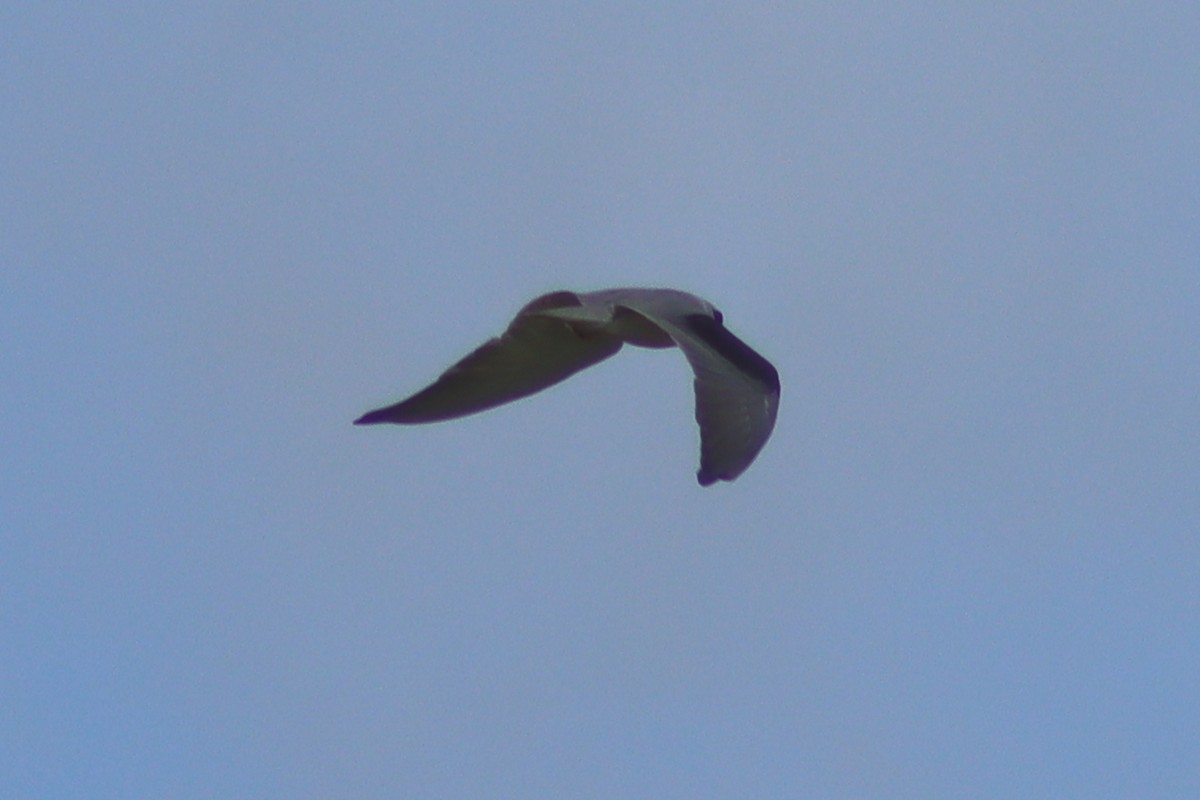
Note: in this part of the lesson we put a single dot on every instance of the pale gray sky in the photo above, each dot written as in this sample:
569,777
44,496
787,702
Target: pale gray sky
966,565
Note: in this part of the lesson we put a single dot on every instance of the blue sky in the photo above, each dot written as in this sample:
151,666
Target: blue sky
965,565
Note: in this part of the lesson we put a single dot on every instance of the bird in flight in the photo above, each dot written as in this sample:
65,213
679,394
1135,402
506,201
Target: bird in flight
560,333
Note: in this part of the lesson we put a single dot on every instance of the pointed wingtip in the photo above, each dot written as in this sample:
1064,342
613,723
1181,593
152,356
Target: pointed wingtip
370,418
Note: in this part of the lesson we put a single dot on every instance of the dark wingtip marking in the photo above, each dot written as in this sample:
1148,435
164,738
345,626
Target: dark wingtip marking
398,414
706,478
371,418
740,354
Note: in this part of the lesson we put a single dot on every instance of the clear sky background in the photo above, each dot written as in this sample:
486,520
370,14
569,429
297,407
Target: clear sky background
966,565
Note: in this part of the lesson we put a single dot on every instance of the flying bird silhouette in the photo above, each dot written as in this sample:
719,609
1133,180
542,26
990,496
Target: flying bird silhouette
560,333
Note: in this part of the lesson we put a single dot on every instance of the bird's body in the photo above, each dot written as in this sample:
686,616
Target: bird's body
561,333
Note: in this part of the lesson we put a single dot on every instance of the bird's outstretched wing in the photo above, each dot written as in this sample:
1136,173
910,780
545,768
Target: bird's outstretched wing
737,398
533,353
737,393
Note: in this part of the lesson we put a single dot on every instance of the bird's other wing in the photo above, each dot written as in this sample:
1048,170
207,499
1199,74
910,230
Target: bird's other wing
536,351
737,393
